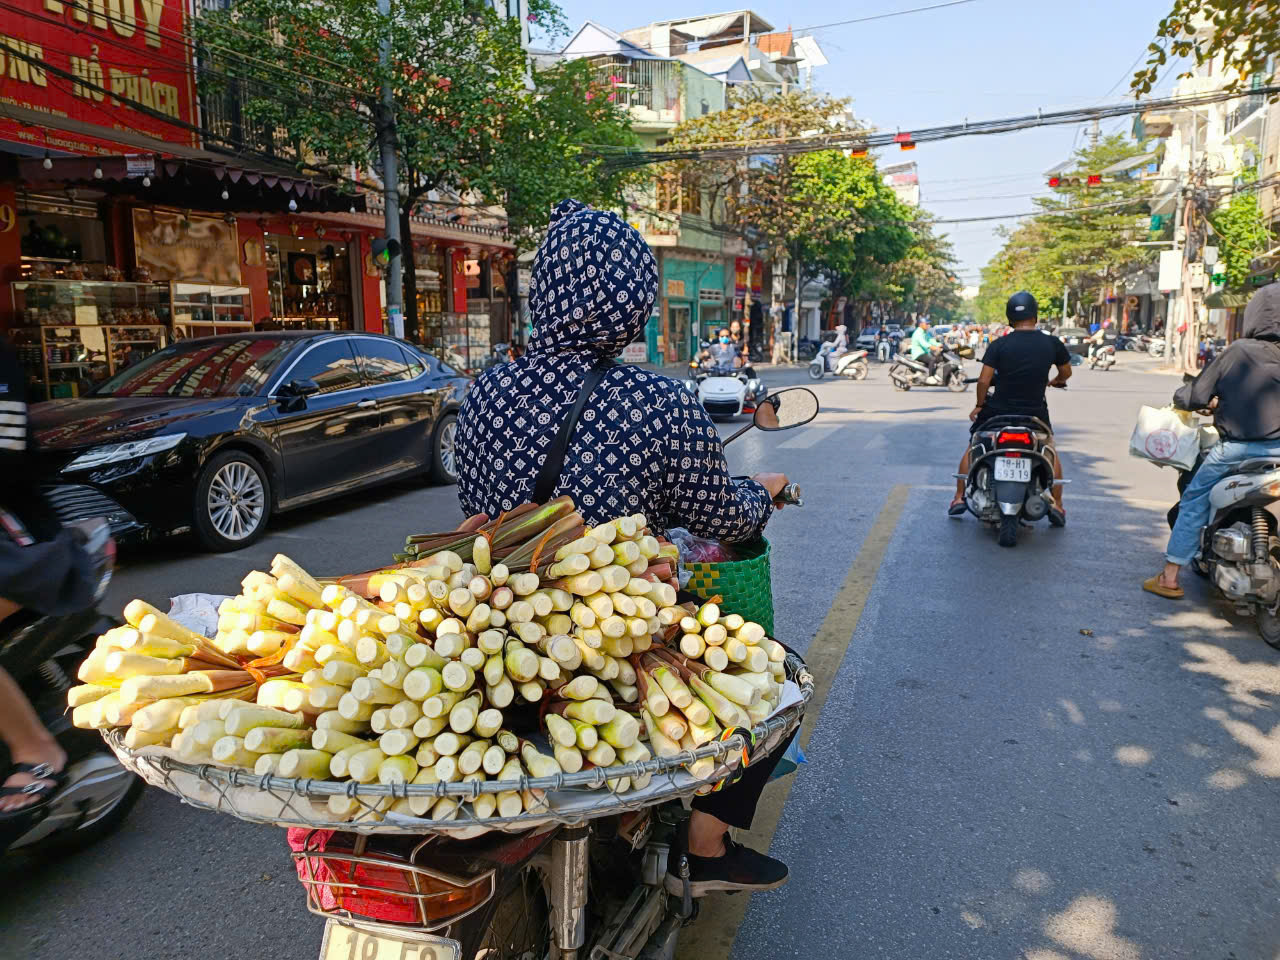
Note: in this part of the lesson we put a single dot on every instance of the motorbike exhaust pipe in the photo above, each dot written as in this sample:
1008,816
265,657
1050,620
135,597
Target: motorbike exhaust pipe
569,867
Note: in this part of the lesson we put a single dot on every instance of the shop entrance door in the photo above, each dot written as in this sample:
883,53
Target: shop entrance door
677,332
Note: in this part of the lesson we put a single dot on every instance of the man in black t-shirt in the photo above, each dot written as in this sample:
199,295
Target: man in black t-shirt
1017,367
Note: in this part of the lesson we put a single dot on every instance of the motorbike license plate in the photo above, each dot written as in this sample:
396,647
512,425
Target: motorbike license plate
1011,468
345,942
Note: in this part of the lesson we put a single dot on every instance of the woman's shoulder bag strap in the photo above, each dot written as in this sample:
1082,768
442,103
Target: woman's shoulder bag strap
553,465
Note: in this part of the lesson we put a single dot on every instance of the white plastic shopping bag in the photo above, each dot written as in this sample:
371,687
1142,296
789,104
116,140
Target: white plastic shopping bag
1168,437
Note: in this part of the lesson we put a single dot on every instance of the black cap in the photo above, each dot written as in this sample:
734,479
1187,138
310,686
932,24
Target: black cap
1021,306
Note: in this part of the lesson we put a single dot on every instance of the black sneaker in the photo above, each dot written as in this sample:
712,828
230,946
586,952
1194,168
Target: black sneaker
741,868
1057,517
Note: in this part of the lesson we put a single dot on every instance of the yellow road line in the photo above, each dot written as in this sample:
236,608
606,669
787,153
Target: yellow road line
712,936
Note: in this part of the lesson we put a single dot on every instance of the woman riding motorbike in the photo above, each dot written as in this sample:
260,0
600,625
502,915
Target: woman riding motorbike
642,443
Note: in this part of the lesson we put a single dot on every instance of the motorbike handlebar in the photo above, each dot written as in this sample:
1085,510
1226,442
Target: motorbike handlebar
790,496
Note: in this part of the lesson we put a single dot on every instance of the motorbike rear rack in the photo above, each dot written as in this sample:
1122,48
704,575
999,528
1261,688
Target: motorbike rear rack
567,798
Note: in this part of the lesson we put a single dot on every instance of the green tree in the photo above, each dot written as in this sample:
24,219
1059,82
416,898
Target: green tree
1244,33
851,225
473,125
1242,234
1080,240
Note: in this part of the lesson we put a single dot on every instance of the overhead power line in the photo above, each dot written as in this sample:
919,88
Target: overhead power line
624,157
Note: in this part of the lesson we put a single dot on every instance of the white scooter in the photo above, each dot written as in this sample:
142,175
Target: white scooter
1104,357
852,364
725,392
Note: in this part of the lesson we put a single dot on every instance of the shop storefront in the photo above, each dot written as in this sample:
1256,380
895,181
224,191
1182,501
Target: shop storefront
120,234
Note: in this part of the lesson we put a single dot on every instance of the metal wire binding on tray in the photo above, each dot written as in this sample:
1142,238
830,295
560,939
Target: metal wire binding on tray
286,801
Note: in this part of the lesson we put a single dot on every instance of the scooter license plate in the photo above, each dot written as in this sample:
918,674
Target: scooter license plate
345,942
1010,468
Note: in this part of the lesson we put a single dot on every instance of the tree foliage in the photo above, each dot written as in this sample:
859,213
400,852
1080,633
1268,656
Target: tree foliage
308,75
1080,239
830,211
1244,33
1242,235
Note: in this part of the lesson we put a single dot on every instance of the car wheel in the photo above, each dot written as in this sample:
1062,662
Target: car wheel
444,450
233,501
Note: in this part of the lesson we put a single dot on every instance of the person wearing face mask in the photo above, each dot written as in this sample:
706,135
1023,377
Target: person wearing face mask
723,352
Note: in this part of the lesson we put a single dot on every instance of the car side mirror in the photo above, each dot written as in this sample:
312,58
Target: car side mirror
300,388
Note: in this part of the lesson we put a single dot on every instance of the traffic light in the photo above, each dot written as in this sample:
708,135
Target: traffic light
1055,182
1095,179
383,250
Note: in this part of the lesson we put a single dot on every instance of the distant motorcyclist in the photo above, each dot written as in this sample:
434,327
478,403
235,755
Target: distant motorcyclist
723,352
1245,383
841,343
925,347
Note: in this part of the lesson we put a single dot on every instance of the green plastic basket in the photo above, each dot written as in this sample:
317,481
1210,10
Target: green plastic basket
744,585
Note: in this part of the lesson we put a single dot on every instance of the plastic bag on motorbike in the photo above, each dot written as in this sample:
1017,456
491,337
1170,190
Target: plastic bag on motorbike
694,549
1167,437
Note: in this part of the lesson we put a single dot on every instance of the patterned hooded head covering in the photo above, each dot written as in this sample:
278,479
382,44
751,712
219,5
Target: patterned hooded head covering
594,282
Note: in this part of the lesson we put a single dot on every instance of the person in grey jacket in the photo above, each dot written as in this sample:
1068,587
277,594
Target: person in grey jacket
44,568
1243,387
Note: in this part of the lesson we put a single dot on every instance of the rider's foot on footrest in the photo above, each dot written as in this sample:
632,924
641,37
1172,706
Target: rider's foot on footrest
1057,516
957,508
741,868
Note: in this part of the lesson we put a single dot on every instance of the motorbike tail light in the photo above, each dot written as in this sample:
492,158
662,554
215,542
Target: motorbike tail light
351,879
1014,436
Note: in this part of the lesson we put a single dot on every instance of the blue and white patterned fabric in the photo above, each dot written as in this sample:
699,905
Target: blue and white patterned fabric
642,443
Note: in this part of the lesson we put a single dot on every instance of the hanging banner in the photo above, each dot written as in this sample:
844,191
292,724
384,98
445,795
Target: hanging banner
741,271
174,247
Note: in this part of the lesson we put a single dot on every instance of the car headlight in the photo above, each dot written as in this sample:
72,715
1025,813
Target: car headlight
116,452
753,386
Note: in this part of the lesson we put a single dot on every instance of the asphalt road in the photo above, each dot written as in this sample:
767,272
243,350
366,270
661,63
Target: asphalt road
1022,755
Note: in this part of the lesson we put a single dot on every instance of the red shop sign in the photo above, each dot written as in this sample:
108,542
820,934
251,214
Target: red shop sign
84,61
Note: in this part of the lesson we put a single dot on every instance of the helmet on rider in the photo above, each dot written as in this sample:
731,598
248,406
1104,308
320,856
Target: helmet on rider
1021,306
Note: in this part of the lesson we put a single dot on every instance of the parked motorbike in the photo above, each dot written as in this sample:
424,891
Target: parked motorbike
1104,357
852,364
1239,548
1010,476
725,392
594,890
907,373
42,654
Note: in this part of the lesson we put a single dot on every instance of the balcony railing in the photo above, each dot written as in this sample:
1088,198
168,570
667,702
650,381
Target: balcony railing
650,89
1247,108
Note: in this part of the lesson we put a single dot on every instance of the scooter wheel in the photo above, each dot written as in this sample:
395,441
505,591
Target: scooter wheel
1269,628
859,370
900,384
956,383
815,371
1008,530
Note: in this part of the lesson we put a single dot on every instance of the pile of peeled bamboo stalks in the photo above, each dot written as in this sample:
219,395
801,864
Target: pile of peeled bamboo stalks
532,644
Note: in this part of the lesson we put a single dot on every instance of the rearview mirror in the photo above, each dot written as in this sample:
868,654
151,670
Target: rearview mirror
793,407
300,388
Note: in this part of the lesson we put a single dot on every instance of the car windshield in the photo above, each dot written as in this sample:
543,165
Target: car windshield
222,367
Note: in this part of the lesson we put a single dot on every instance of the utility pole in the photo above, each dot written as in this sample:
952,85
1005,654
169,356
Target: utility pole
1172,314
1065,292
1094,134
390,182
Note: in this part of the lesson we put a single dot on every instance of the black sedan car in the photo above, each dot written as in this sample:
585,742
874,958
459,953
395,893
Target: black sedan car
214,435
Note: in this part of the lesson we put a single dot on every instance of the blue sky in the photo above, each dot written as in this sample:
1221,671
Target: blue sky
981,60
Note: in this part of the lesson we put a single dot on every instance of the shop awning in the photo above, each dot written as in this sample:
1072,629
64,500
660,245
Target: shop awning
178,175
1226,300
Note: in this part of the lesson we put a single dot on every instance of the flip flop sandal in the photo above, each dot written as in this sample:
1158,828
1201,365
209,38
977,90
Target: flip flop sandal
46,783
957,509
1154,585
